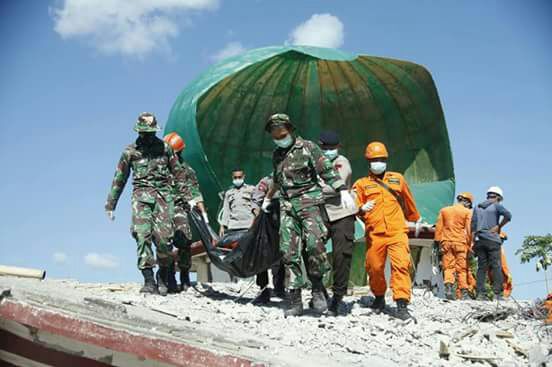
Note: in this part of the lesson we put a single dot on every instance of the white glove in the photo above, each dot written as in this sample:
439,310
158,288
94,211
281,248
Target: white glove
205,217
264,206
192,203
110,214
368,206
347,201
418,228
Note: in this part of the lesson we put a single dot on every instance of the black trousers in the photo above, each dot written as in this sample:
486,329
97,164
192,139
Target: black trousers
342,233
488,258
278,277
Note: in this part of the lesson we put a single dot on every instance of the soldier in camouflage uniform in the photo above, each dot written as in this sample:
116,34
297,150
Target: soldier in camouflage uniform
187,195
298,164
152,162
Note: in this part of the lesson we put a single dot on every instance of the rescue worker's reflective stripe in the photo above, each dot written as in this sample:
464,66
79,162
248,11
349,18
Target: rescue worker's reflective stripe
387,216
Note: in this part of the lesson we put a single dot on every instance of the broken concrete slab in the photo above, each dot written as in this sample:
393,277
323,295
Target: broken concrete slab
212,319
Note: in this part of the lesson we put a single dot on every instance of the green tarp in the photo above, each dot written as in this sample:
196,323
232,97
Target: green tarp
222,113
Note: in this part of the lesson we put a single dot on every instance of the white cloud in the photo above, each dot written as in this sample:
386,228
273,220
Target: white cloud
128,27
231,49
101,261
60,257
322,30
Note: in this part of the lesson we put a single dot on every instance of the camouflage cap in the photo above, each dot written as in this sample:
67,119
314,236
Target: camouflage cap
146,123
278,120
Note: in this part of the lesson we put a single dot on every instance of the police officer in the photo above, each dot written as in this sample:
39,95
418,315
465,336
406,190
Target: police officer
341,223
237,207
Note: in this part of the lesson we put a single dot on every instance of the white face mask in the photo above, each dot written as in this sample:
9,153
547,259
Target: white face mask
237,182
378,168
284,142
331,154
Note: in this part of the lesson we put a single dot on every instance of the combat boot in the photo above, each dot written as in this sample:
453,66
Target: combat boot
149,282
171,281
379,304
162,280
402,310
319,302
263,298
465,295
280,293
184,280
335,302
449,291
295,303
320,297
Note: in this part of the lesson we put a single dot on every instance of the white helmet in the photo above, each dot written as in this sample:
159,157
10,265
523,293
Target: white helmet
495,190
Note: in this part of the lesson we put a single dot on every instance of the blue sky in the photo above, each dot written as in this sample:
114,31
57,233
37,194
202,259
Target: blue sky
73,80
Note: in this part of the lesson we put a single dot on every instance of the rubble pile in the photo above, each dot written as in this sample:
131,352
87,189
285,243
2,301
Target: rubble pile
444,333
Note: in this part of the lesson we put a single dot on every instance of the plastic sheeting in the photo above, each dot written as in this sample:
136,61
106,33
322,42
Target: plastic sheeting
246,253
222,113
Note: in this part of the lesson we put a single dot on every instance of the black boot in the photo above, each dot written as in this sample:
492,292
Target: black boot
335,302
280,292
402,310
295,303
319,296
184,280
379,304
449,291
149,282
263,298
162,280
171,281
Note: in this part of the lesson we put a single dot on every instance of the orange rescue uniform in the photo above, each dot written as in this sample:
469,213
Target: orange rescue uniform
507,285
386,232
453,232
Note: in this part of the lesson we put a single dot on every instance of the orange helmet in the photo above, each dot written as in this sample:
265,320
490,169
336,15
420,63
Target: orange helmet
175,141
466,195
376,150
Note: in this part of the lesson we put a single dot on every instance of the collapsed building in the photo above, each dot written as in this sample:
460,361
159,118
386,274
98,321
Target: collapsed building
221,115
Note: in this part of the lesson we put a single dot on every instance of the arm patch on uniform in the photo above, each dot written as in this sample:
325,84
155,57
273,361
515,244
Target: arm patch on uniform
395,181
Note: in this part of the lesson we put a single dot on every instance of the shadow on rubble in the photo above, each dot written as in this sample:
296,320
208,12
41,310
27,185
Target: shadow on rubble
215,295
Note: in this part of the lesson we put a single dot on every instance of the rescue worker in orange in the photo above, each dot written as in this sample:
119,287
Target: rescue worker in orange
507,285
453,233
386,203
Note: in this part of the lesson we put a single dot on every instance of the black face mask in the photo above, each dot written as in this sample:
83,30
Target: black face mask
147,138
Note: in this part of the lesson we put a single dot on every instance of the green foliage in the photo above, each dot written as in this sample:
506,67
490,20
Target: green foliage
539,248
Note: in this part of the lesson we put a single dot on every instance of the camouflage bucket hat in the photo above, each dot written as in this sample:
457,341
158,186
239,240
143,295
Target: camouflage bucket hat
146,123
278,120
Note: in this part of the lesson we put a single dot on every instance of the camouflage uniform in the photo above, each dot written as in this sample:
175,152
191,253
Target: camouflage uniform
152,165
185,189
296,172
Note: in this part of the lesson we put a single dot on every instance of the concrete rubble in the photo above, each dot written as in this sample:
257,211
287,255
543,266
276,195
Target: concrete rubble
221,314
